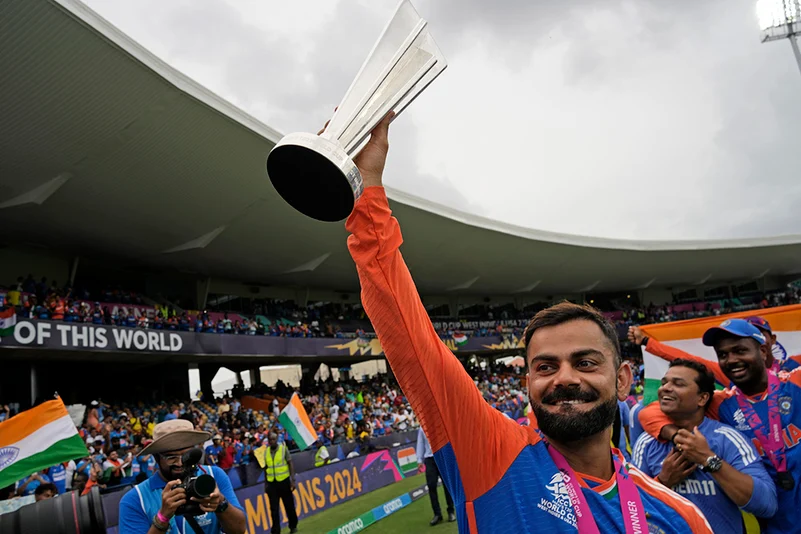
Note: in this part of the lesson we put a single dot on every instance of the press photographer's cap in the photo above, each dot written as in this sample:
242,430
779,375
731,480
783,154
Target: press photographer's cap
733,327
174,435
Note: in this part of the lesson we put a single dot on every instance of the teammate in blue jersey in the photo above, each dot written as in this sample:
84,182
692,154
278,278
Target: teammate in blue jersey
635,428
722,472
761,405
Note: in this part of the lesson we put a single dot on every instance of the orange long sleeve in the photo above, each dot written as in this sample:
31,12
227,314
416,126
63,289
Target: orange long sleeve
450,407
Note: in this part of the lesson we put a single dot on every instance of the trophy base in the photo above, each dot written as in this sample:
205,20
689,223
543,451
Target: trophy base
315,176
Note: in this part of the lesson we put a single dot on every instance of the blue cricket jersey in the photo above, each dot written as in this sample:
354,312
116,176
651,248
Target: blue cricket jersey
140,505
788,517
635,428
702,489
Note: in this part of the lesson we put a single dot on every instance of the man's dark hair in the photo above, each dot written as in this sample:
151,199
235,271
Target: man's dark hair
41,488
705,379
565,312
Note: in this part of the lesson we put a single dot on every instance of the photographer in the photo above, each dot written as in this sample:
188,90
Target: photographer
160,504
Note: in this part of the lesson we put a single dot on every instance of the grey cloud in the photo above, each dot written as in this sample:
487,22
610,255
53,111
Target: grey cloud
745,185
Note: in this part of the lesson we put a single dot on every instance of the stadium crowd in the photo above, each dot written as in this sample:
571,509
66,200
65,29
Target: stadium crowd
341,412
268,317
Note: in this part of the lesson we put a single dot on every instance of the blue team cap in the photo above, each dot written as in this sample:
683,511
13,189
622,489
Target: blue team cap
733,327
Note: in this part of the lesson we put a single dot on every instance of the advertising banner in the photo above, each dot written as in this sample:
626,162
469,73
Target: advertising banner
86,337
325,487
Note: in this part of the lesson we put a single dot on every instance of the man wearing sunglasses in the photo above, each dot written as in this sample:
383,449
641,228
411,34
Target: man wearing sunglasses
150,507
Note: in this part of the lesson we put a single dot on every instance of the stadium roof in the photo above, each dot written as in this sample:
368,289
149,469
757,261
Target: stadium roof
104,148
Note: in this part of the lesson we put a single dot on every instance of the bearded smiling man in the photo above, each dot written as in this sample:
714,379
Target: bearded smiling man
504,477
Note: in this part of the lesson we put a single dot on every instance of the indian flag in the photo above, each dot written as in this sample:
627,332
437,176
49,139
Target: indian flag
459,338
686,335
36,439
407,460
296,421
8,318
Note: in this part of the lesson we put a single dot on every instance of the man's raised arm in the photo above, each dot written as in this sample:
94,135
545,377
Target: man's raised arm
668,353
450,407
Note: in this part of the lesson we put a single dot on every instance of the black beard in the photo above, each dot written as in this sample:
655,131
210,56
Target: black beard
169,474
569,427
751,381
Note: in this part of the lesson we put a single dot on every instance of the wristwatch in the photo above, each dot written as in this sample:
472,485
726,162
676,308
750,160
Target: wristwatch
713,464
222,507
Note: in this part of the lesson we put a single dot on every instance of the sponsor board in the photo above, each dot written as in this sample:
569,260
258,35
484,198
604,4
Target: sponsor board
67,336
380,512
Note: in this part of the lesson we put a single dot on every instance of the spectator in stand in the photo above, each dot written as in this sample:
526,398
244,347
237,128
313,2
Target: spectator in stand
247,449
224,407
158,321
45,491
213,451
227,454
28,485
113,467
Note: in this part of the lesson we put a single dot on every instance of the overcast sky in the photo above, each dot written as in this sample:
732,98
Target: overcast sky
642,119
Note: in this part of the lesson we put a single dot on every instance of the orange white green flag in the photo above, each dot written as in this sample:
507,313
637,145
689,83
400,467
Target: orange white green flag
785,323
296,421
36,439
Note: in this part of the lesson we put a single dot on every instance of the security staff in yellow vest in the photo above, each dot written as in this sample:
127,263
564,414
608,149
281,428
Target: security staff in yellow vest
279,483
321,457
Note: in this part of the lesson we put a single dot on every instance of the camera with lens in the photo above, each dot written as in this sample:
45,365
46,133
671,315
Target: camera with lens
198,486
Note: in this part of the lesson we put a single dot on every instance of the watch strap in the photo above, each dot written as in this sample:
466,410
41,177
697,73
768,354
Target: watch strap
713,464
222,507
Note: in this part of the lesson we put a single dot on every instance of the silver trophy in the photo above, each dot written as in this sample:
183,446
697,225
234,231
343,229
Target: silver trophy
315,174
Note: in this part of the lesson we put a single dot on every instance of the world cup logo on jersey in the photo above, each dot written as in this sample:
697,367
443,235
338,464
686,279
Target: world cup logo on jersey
739,418
559,504
558,488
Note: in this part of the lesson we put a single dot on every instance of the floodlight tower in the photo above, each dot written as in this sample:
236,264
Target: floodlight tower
781,19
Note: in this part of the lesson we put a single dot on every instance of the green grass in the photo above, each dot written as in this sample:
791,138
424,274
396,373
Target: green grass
411,519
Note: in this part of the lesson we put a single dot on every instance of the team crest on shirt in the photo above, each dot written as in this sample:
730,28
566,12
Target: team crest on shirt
739,418
559,503
785,404
203,520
